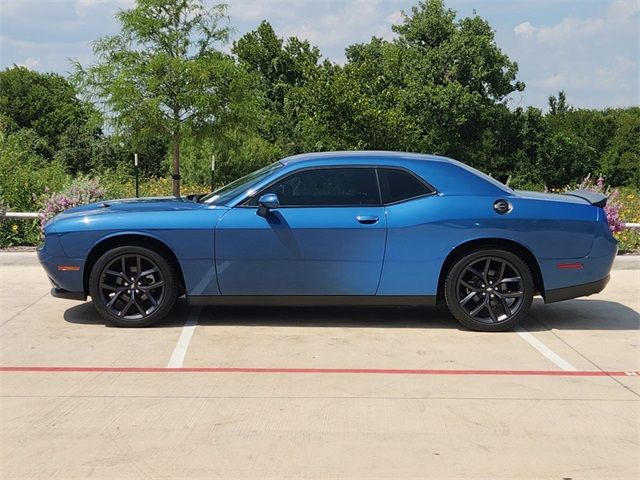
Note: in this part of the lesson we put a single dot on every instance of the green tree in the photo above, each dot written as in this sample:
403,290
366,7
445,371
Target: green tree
440,86
558,105
162,72
621,161
564,159
282,67
45,103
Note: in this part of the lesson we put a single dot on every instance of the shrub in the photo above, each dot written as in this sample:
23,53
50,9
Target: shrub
81,191
614,206
629,238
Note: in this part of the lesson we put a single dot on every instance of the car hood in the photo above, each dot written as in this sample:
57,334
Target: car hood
151,204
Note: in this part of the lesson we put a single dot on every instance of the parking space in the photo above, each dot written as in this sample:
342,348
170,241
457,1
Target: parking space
318,393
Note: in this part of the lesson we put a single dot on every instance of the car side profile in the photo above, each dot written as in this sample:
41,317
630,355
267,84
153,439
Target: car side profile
336,228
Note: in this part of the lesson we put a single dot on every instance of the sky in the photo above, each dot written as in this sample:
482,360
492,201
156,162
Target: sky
588,48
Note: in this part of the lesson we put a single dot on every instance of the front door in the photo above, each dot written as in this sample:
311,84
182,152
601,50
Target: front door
326,238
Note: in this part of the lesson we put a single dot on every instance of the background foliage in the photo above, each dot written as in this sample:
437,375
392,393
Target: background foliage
442,85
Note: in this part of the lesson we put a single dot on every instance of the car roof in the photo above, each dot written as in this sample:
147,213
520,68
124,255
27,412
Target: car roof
445,174
359,154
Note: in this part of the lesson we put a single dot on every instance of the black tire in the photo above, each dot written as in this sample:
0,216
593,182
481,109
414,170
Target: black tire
138,303
497,305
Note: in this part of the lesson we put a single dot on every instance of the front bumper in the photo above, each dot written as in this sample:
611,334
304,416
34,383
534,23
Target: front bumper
64,281
61,293
566,293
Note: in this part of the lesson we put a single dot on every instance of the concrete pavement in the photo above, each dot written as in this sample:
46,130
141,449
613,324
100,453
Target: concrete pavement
211,424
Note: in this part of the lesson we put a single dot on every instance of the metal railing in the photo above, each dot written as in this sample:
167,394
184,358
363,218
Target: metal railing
20,215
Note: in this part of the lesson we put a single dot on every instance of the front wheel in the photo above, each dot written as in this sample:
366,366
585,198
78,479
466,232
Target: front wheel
133,286
489,290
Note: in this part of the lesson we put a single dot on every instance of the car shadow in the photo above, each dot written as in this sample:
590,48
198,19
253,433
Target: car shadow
580,314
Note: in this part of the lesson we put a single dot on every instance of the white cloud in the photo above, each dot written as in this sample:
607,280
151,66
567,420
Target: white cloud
620,13
30,63
625,10
524,29
82,7
569,28
395,18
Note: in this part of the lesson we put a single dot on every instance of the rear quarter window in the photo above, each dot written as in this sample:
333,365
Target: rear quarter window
398,185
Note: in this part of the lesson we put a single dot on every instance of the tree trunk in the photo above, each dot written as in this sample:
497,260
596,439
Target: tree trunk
175,145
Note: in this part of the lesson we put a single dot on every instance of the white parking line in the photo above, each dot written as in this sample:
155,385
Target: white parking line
180,350
544,350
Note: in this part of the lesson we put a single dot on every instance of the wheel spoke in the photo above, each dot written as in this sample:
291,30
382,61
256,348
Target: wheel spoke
492,314
505,306
149,272
123,266
510,294
503,265
475,272
479,308
126,308
509,280
153,301
113,288
469,286
114,298
138,266
141,310
485,273
467,298
116,274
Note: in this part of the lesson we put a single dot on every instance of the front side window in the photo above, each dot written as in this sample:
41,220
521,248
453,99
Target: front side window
397,185
326,187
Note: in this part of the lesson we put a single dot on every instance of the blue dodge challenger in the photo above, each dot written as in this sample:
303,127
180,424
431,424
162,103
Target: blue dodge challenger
337,228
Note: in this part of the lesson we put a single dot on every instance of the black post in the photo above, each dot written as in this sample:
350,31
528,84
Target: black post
136,173
213,172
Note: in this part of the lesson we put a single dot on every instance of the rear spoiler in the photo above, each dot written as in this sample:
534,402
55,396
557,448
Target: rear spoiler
595,199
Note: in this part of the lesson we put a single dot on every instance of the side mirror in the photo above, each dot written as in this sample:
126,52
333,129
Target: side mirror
267,203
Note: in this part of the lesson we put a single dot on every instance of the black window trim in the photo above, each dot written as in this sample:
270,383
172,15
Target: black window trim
244,203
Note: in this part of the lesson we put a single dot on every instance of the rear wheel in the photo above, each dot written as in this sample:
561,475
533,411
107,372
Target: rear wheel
133,286
489,290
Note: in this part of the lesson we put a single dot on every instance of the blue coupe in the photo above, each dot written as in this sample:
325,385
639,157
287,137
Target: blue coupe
337,228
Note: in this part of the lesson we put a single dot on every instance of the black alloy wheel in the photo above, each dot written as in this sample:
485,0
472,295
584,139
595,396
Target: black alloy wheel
133,286
489,290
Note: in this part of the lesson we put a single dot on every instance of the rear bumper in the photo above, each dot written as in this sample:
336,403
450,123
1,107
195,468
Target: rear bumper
566,293
61,293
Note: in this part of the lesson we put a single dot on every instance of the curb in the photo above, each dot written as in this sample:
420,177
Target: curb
622,262
627,262
26,259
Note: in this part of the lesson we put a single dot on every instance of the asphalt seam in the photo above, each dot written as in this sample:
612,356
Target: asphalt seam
553,332
25,308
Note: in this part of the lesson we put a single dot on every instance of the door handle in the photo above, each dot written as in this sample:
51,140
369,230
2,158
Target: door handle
367,219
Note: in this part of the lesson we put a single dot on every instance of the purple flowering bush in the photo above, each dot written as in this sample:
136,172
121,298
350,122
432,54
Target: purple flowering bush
81,191
614,206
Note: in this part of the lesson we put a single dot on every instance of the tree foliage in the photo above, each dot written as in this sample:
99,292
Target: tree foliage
168,92
162,72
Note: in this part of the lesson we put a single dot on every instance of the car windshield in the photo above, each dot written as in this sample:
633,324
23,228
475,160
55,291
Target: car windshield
223,195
